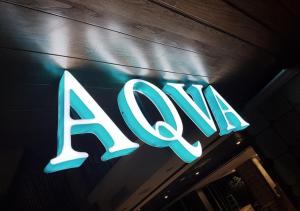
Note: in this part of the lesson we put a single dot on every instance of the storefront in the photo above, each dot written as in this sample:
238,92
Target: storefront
150,105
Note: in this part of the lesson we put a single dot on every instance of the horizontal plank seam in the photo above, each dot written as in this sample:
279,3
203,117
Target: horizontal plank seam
147,40
253,18
98,61
98,26
195,19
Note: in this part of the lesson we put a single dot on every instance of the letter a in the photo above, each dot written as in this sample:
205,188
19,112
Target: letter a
227,118
93,120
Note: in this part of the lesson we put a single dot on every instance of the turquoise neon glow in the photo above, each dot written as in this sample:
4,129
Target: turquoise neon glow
167,133
196,109
227,118
93,120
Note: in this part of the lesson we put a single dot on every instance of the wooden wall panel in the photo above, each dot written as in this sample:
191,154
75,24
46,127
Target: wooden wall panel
269,12
293,6
145,20
273,15
44,33
219,14
47,33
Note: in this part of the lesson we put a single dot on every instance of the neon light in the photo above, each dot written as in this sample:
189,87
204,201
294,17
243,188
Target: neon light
196,108
93,120
167,133
226,117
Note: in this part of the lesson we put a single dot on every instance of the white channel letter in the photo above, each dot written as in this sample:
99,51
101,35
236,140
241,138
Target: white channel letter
227,118
167,133
93,120
195,108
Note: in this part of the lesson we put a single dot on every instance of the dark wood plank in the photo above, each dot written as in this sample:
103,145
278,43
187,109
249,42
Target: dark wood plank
54,35
269,12
221,15
154,23
141,19
293,6
273,15
37,31
23,68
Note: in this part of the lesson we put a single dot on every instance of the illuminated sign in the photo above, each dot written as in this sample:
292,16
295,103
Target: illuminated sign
194,101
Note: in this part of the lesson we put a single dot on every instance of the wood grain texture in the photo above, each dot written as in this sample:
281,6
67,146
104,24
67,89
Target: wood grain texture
141,19
219,14
269,12
46,33
274,16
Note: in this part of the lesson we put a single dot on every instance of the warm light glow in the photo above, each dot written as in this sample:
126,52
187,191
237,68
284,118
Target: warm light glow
197,67
140,59
59,43
102,49
266,176
163,62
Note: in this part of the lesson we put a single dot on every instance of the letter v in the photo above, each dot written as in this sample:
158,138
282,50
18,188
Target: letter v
195,108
